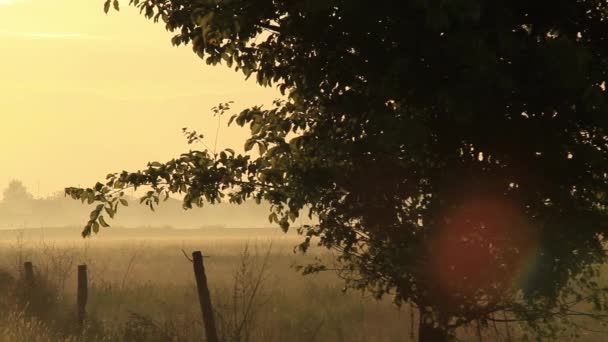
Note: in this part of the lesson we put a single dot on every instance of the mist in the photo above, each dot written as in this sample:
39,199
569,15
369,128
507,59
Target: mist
19,209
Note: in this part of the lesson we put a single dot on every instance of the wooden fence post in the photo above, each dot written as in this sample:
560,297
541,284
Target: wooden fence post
83,293
29,273
204,297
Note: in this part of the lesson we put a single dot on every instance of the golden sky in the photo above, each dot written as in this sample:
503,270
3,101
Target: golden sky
84,93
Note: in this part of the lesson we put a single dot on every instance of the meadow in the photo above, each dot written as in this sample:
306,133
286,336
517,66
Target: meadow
142,288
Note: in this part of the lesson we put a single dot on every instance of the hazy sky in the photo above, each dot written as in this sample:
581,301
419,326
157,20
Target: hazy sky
84,93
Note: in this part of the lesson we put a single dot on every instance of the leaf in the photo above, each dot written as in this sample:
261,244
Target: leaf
231,119
284,223
124,202
116,5
249,145
106,6
293,216
262,147
110,212
95,227
103,222
255,128
272,218
86,231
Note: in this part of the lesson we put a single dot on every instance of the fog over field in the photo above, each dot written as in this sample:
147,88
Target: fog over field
19,209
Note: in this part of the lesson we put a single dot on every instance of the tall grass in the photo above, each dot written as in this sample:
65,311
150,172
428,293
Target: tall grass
144,290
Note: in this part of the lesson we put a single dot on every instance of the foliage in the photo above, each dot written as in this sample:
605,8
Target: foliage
454,152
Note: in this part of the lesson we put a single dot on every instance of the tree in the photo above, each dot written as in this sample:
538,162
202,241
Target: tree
454,152
17,204
16,193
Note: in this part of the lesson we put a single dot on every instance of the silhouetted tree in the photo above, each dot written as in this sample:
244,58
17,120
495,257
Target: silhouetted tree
17,204
16,192
454,152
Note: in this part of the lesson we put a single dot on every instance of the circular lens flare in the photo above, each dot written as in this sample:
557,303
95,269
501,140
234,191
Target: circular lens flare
482,246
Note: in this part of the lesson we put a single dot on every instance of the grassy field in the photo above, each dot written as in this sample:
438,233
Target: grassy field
142,289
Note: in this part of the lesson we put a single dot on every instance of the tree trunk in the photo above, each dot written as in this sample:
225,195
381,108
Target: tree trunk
428,331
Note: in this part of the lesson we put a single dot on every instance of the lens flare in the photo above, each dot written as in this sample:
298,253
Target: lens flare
483,245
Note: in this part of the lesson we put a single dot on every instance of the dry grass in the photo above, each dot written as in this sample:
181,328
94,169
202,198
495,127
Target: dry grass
142,289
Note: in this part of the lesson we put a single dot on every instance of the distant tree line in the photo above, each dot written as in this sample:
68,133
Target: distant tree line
19,209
